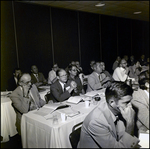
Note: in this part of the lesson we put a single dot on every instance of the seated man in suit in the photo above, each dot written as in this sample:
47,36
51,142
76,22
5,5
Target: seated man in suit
111,124
25,98
141,102
58,90
13,81
97,79
37,77
105,71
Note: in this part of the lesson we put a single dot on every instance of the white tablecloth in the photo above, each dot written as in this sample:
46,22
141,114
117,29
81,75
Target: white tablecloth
37,132
8,119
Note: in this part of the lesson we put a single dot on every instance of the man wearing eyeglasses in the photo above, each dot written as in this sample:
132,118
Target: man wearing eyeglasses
59,90
25,98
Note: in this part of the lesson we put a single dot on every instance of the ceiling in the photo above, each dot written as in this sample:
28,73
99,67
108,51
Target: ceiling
124,9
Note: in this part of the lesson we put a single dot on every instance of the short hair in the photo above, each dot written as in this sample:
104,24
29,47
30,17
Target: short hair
70,67
17,68
58,71
142,79
117,89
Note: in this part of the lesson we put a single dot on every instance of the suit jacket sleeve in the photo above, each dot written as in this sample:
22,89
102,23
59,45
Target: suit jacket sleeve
19,102
58,94
100,130
139,101
93,83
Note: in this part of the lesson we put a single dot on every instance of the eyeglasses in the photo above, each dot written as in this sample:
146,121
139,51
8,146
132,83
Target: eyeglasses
74,70
63,75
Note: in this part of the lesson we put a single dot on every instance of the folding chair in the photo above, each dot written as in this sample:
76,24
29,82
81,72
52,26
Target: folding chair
75,135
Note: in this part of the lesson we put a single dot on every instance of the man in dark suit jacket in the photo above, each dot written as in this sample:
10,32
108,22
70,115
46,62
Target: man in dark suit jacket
13,81
58,90
25,98
112,123
37,77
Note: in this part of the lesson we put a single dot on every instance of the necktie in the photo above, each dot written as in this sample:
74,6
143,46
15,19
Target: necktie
37,77
100,78
64,87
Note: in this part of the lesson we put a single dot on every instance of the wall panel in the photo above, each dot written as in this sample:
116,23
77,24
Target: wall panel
34,36
124,37
109,40
89,39
65,36
8,46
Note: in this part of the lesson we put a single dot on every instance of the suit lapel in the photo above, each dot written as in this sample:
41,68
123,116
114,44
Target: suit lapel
108,117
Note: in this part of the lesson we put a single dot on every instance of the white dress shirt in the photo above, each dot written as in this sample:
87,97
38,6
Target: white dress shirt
120,74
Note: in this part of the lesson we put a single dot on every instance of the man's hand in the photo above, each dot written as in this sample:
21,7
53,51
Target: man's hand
73,84
128,114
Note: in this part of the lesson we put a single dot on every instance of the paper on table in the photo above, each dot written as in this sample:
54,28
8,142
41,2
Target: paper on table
69,111
54,106
144,140
75,99
96,93
43,111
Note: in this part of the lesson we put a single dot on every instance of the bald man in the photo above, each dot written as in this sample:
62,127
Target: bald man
25,98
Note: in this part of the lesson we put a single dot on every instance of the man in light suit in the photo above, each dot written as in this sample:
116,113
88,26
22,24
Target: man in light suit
58,90
37,77
25,98
97,79
141,102
111,124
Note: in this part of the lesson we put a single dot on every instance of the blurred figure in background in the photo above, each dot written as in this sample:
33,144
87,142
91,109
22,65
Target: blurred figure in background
142,60
116,63
127,59
141,102
131,60
90,70
37,77
13,81
52,74
105,71
135,70
121,73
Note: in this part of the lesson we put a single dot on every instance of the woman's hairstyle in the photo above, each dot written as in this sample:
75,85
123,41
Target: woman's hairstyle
118,89
70,67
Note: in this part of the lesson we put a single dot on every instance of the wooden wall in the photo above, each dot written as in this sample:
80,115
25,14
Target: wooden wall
41,35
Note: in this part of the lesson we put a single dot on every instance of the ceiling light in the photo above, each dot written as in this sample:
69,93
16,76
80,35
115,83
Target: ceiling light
99,4
138,12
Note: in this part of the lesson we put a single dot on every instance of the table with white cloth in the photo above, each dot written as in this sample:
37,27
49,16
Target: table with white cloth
8,119
38,132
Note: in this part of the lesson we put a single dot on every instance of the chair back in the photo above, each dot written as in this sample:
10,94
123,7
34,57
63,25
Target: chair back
74,137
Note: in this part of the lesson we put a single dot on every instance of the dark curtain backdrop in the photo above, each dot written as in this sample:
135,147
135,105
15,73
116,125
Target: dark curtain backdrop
45,35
